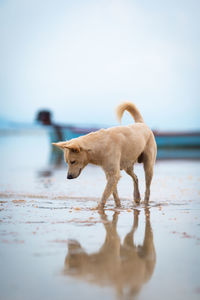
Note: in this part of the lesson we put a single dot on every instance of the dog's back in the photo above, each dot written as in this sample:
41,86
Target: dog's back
141,136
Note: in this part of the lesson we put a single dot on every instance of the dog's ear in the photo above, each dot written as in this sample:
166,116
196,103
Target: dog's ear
73,147
61,145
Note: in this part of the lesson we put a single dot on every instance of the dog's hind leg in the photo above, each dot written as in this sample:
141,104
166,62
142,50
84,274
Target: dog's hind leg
136,194
148,169
149,158
112,180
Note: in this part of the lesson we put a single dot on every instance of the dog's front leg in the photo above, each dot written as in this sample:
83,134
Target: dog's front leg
116,197
112,180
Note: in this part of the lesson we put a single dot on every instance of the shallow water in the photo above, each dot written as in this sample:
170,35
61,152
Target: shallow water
55,244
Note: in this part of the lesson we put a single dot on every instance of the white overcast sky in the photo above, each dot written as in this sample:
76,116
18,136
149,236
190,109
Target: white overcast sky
82,58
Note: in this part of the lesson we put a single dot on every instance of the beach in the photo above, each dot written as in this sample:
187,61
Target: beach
56,245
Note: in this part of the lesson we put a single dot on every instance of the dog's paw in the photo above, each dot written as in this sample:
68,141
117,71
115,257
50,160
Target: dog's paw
137,201
100,207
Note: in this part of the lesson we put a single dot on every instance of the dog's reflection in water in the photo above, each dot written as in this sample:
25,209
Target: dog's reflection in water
124,266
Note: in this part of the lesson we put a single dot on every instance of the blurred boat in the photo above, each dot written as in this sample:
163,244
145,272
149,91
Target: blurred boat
177,139
184,145
171,145
178,145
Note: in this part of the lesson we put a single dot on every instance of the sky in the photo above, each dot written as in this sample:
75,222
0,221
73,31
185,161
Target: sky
81,58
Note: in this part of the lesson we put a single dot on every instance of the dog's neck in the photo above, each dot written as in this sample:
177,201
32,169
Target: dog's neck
95,153
94,157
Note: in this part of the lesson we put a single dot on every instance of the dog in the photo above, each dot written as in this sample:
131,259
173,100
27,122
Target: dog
114,149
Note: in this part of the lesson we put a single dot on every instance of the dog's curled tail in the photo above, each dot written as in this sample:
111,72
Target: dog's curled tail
132,109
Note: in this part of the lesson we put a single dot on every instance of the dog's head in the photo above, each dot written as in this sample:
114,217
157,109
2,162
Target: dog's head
75,156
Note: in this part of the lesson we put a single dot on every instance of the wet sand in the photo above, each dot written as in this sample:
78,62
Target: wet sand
55,245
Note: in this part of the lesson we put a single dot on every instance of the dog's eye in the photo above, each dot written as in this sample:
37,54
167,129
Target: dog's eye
72,162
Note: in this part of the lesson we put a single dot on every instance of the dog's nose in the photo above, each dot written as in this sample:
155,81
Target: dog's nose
69,176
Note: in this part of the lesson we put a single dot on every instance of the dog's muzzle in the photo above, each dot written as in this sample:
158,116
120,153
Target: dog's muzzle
70,176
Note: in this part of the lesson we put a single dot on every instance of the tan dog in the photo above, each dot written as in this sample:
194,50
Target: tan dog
114,149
